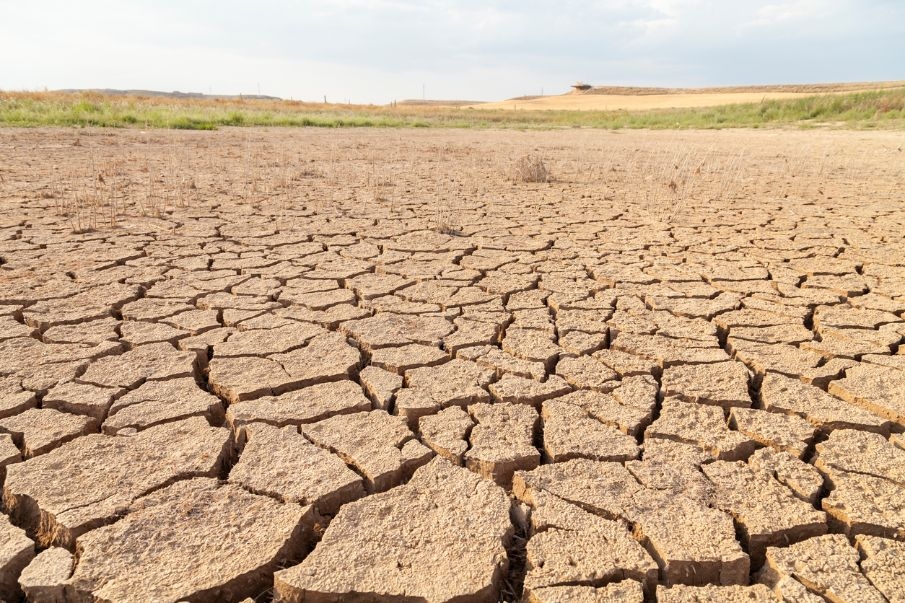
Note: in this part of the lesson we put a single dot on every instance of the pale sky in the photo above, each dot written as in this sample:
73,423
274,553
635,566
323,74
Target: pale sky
381,50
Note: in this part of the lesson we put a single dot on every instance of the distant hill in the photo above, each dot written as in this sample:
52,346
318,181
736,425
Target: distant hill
174,94
786,88
641,98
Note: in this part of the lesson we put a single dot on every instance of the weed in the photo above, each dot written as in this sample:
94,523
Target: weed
530,168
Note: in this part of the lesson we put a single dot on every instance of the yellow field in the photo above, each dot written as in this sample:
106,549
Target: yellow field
639,99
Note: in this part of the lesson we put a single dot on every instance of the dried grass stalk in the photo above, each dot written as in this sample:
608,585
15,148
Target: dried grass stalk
530,168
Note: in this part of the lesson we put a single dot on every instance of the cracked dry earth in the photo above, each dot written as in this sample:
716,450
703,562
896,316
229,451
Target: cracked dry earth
397,375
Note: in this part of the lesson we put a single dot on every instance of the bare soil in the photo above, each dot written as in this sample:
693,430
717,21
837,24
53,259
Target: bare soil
370,365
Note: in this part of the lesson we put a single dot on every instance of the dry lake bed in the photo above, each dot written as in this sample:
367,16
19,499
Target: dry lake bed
385,365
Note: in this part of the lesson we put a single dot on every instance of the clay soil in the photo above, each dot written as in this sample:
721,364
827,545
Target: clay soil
378,365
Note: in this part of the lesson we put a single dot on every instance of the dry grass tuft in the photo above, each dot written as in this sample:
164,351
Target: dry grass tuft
444,226
531,168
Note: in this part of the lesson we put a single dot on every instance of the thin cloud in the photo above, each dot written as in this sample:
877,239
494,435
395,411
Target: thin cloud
380,50
798,10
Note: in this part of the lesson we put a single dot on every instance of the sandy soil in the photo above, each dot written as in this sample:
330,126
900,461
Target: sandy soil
375,365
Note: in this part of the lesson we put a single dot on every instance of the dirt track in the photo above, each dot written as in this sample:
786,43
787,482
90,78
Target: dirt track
368,365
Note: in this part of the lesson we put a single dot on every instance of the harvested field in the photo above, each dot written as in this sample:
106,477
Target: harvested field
616,98
373,365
